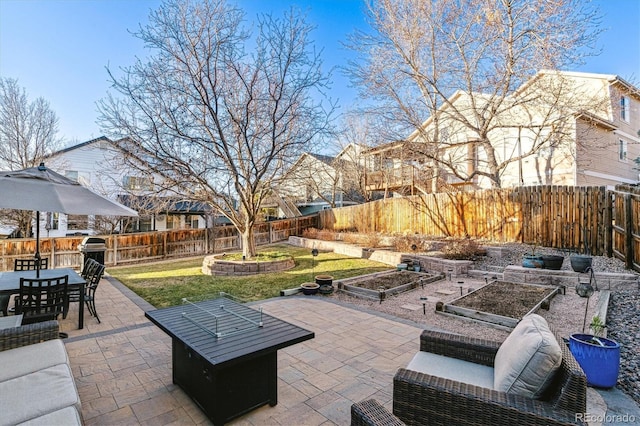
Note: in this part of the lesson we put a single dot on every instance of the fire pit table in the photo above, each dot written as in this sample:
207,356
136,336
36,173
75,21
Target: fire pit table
225,354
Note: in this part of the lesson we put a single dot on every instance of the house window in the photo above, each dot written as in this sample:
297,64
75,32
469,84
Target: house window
53,221
193,221
138,183
624,108
309,193
476,157
622,150
173,222
144,224
77,222
71,174
546,152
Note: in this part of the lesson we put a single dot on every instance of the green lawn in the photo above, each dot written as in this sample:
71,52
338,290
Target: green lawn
166,283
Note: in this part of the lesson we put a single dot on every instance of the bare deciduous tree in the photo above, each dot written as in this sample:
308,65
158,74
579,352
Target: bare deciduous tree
217,110
359,131
313,177
28,132
460,63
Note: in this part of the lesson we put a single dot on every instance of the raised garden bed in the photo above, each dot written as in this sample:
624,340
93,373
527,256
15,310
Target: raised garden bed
502,303
393,282
217,265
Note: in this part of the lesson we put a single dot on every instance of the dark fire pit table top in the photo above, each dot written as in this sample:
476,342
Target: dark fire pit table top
225,354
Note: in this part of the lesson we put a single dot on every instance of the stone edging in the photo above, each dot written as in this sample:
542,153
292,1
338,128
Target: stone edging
604,280
213,265
455,268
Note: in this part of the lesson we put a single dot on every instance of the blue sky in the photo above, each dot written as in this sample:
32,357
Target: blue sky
58,49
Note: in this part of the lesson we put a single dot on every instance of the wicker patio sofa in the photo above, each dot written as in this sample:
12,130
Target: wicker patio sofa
36,383
423,399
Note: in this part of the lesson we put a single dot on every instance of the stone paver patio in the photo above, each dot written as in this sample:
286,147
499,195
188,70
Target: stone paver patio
122,366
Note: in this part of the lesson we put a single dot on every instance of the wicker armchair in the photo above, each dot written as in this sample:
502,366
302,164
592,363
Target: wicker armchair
420,399
15,337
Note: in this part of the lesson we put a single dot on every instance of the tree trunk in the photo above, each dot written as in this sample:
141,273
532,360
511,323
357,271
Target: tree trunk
248,243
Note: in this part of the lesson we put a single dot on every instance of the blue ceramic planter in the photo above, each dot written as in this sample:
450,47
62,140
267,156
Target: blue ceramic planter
600,364
532,261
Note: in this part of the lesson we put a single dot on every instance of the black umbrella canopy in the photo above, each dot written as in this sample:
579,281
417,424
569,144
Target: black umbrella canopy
42,189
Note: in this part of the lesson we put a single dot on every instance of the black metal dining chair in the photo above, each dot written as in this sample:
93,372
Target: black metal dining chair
89,265
41,299
92,272
28,264
93,280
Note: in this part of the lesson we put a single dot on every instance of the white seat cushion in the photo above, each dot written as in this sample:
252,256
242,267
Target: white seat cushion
33,395
66,416
528,359
28,359
452,368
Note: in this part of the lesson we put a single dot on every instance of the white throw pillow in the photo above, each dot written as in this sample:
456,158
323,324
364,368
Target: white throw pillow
528,358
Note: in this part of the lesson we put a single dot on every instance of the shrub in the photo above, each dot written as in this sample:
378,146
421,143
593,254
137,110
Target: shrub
466,249
411,243
371,239
319,234
326,235
351,238
310,233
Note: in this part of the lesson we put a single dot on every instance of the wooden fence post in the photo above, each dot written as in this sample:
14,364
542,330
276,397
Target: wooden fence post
164,245
628,231
115,250
53,252
608,223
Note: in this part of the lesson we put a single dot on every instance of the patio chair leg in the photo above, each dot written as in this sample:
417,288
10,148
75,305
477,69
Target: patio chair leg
92,309
65,310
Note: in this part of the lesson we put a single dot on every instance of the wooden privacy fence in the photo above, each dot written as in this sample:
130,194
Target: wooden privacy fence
148,246
446,214
579,219
572,218
625,243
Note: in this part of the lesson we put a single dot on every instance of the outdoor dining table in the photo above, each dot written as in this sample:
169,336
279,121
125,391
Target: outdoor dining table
10,283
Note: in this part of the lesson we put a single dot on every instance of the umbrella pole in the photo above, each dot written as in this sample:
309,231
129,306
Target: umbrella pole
37,256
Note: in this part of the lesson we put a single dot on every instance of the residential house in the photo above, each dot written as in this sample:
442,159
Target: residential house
558,128
98,164
317,182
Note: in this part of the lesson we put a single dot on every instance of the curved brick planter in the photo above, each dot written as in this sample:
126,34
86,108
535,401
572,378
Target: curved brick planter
214,265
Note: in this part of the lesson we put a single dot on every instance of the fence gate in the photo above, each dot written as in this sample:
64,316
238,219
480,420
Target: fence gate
626,225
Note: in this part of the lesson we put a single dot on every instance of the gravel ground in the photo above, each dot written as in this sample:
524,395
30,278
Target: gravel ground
516,251
623,323
566,313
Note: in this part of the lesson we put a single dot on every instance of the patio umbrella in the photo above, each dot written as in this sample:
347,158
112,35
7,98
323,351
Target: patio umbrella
41,189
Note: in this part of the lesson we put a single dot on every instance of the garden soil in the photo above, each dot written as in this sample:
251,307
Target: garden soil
566,312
